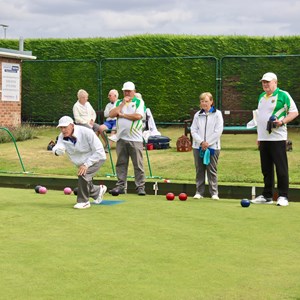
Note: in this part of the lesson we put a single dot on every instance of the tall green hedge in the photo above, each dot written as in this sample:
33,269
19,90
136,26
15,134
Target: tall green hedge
170,86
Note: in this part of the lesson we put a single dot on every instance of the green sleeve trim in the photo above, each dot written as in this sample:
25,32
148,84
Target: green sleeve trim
118,102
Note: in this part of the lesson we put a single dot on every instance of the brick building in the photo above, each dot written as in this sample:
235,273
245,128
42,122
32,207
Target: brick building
11,86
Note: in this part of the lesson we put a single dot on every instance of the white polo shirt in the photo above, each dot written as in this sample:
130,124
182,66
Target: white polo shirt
279,104
127,129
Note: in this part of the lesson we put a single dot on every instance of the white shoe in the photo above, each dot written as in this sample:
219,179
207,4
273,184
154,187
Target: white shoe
198,196
113,138
102,191
262,200
215,197
282,201
82,205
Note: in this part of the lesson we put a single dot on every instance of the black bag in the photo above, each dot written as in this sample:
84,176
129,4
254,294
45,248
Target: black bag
159,141
50,146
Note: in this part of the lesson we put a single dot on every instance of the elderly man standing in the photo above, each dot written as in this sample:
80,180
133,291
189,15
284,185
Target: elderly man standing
129,112
86,151
275,109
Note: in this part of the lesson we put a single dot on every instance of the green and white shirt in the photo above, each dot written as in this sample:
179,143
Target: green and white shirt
127,129
279,104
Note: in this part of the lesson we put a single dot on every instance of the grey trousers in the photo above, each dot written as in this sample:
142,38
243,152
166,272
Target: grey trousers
86,188
211,171
134,150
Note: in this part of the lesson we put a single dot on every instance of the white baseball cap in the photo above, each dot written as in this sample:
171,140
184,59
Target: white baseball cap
269,76
128,86
65,121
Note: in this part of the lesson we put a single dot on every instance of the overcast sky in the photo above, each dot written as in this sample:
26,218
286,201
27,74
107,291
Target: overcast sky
117,18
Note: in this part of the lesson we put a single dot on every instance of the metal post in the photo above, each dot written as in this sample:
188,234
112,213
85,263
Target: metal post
109,152
14,140
4,29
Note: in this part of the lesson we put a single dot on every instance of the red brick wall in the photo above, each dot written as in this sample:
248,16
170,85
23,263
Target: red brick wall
10,111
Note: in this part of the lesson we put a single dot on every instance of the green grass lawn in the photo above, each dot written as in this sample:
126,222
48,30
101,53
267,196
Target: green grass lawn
146,248
239,161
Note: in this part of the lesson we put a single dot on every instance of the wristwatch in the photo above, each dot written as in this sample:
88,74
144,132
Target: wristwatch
282,123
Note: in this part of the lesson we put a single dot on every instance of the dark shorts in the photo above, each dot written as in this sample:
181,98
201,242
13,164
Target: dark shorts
110,124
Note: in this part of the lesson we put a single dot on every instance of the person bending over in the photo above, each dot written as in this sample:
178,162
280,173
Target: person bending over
86,151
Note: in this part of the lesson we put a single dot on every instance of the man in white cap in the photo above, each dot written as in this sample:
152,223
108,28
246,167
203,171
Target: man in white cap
276,108
86,151
129,112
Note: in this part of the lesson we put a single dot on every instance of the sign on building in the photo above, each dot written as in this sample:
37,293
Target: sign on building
11,76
